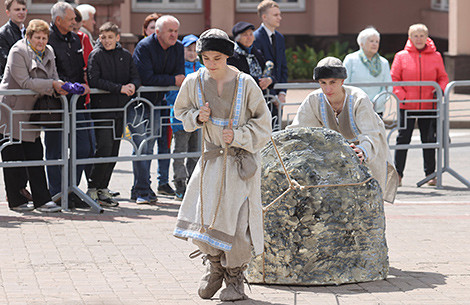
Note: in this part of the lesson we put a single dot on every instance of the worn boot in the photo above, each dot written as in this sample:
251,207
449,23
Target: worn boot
180,189
212,279
234,281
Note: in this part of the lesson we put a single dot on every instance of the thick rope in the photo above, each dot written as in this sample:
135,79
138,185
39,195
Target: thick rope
294,185
224,169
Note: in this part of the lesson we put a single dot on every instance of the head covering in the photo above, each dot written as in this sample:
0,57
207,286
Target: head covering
329,67
215,40
241,27
189,40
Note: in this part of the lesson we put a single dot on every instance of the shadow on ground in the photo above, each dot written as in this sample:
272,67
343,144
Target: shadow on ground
397,281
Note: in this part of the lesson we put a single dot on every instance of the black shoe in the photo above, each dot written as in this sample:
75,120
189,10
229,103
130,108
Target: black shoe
166,189
76,202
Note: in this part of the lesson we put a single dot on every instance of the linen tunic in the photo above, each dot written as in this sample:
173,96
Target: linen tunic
359,124
252,130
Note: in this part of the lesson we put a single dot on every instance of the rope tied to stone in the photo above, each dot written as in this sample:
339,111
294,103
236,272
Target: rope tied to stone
224,169
294,185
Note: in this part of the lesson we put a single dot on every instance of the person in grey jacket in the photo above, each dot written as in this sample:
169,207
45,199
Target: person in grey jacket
30,65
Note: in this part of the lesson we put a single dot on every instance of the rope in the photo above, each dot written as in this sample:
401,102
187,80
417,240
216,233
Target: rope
224,169
294,185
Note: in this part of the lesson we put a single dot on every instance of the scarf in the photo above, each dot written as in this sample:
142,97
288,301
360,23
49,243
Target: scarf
374,65
253,64
39,54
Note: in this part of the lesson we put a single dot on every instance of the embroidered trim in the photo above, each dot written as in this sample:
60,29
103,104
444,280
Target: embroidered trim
204,238
238,103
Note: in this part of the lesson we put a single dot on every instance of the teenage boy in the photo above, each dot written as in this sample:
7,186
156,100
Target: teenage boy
110,68
273,46
184,141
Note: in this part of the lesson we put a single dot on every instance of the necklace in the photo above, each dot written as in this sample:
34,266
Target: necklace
337,110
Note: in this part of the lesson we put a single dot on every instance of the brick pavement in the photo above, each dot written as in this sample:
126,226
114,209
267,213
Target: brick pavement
127,255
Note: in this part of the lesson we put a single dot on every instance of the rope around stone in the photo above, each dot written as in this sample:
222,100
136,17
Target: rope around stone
294,185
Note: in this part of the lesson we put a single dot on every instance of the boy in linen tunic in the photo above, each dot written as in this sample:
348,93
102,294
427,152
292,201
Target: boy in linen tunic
357,122
238,224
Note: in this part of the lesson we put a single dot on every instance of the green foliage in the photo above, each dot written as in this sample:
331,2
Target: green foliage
301,61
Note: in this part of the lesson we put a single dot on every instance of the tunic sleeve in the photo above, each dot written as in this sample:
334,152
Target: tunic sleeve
255,133
307,114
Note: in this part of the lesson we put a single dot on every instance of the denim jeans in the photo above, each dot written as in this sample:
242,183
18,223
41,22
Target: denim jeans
53,143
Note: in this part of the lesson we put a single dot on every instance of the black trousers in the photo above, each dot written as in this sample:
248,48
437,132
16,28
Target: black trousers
106,146
427,130
14,176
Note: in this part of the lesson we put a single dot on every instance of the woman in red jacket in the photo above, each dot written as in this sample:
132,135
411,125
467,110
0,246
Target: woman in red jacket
418,61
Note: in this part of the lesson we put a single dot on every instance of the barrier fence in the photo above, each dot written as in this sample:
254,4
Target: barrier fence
149,129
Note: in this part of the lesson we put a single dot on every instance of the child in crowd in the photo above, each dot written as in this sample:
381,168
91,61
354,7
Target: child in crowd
184,141
110,68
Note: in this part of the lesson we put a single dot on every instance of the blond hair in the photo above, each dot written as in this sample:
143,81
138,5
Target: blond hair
418,27
37,25
265,5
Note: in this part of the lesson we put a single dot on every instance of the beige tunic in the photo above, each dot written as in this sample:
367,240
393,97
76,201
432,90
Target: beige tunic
359,124
252,130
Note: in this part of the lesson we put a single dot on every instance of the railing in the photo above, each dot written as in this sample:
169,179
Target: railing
69,126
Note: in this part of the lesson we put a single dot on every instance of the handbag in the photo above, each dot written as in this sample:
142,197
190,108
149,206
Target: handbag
43,115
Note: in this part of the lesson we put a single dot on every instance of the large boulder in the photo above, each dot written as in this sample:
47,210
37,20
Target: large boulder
325,235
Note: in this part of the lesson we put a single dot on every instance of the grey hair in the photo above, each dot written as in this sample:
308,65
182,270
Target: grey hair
160,21
237,38
59,10
365,34
86,10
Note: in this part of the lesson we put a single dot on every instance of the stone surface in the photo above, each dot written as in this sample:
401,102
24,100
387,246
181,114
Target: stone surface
319,236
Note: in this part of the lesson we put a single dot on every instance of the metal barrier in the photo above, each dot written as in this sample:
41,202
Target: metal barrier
446,132
9,140
150,130
69,166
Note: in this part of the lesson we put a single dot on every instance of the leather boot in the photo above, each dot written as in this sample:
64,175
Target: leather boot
234,281
212,279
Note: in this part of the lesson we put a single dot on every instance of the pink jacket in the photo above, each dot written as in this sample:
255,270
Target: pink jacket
412,65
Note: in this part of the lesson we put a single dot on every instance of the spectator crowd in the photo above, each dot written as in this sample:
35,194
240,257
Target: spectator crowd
160,59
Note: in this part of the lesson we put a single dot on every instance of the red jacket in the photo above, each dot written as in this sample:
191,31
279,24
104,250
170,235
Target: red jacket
412,65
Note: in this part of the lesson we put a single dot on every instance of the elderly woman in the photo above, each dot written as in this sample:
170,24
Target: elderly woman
367,66
222,210
247,58
418,61
30,65
349,111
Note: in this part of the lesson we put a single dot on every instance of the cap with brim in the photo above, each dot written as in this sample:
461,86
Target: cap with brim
241,27
189,40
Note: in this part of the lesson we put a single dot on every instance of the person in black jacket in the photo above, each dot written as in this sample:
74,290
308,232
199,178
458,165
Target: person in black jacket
247,58
13,30
70,67
110,68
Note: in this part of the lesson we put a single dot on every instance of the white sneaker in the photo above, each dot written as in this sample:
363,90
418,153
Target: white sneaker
92,193
25,207
142,200
50,207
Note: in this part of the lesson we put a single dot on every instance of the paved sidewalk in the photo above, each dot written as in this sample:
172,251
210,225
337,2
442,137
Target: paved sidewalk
127,255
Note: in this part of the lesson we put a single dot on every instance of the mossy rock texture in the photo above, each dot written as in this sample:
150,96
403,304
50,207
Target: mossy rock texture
319,236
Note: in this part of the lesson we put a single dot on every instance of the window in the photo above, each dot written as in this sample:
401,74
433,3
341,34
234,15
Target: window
40,6
440,5
285,5
167,6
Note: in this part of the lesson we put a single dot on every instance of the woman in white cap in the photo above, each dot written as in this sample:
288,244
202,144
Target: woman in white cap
221,211
349,111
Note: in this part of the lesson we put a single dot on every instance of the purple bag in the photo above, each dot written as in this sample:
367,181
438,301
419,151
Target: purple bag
75,88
